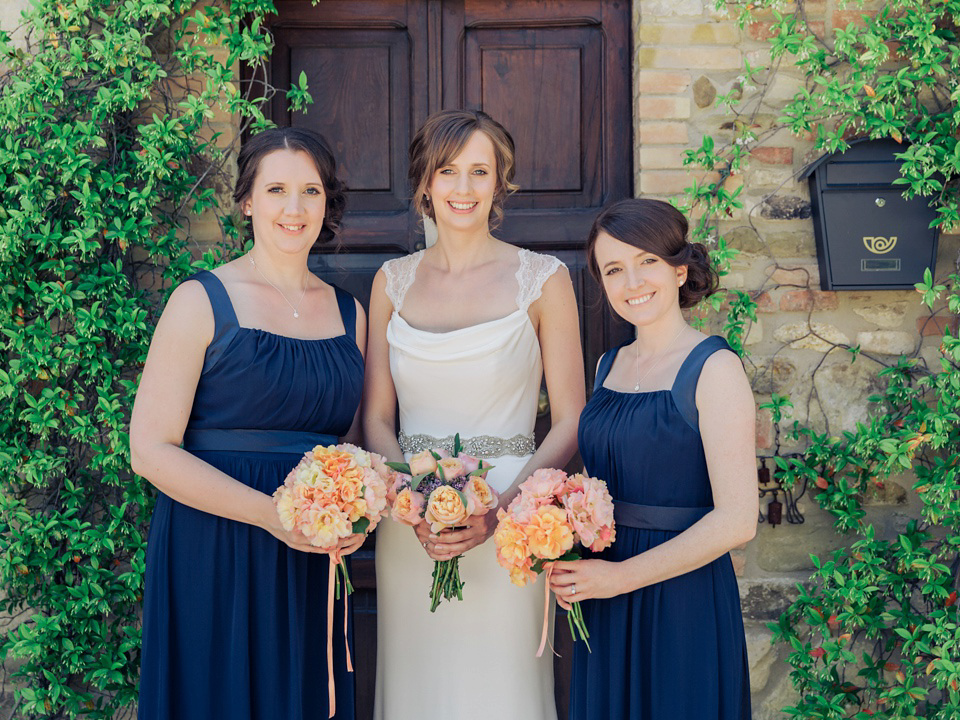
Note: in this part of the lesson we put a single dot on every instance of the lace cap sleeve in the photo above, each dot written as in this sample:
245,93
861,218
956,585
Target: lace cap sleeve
535,269
400,273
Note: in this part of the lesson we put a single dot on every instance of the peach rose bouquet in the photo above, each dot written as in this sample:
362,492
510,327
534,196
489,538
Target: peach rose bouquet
552,515
444,490
334,492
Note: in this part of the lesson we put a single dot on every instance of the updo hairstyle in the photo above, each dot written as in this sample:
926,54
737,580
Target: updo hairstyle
441,138
298,140
658,228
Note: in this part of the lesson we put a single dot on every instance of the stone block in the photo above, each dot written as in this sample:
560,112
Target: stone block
936,325
754,333
662,82
785,207
704,92
842,18
671,182
765,433
707,58
887,492
885,315
793,243
773,155
886,342
765,303
825,300
796,301
689,34
671,8
663,133
661,158
787,548
780,178
800,276
773,376
663,108
843,388
761,654
810,336
767,599
739,560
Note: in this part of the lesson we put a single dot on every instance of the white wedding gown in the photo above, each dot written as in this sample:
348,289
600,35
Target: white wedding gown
475,658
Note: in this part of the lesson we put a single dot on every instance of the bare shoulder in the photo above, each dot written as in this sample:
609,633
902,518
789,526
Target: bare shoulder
723,381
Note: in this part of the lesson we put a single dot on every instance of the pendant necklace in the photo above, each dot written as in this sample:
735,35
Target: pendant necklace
295,308
641,378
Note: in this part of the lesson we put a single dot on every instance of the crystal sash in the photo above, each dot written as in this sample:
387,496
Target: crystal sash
481,446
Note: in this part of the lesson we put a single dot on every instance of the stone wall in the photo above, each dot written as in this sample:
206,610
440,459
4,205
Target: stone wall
686,55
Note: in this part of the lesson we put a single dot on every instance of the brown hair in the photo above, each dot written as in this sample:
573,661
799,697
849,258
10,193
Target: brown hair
441,138
300,140
658,228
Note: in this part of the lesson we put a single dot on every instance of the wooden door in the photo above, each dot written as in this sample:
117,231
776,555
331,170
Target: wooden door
556,74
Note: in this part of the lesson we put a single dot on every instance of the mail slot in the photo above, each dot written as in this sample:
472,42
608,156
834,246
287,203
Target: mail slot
868,237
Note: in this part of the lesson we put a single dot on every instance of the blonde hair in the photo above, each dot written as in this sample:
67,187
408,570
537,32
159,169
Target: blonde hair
441,138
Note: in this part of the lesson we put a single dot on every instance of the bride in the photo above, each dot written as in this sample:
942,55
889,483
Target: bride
461,335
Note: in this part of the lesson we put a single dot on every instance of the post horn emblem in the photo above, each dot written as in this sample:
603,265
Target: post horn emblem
879,245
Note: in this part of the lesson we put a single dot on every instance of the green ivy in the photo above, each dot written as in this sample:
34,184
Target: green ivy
876,633
107,151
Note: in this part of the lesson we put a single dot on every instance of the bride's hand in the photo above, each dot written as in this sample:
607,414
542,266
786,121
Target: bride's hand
447,544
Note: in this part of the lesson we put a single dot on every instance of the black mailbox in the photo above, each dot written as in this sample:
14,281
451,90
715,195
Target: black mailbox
868,236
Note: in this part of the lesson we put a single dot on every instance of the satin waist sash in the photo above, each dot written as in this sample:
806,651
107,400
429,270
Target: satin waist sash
294,442
657,517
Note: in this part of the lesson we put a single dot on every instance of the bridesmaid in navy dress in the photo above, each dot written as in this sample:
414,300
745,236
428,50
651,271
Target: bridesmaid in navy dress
670,427
250,366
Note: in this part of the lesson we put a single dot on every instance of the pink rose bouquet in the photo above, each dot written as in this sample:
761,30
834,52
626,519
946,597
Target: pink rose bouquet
552,514
444,490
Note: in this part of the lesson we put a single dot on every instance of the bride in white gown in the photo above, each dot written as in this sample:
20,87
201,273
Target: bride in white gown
461,335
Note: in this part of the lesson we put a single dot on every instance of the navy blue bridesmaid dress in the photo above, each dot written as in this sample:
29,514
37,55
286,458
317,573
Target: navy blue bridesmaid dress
674,650
234,622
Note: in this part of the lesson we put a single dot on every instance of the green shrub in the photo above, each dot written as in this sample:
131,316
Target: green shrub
106,152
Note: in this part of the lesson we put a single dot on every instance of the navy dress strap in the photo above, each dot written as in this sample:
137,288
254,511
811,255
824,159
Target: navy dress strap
225,323
684,388
606,362
348,312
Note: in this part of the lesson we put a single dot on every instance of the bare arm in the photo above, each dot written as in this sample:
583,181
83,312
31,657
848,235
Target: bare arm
161,411
558,329
727,428
379,394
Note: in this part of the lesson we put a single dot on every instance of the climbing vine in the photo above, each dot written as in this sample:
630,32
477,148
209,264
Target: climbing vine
107,151
875,632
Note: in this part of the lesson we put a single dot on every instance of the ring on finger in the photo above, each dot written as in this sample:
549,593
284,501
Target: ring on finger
424,544
573,589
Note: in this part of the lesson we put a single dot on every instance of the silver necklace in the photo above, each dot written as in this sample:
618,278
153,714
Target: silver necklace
641,378
295,308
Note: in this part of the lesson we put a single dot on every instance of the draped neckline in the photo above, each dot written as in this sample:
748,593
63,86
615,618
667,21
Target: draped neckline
476,326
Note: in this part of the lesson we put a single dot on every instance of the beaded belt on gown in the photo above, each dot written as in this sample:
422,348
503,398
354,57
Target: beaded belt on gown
482,446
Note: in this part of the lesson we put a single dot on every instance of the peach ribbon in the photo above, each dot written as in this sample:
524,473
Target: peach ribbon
331,587
546,613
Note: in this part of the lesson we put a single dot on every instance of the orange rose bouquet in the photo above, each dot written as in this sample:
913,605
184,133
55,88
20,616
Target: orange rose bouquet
552,514
443,489
332,493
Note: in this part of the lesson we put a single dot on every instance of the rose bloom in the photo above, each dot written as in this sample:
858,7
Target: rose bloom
408,507
350,488
395,484
374,491
324,526
444,508
285,508
522,507
511,541
522,574
315,476
549,533
452,468
480,496
354,510
470,463
544,485
423,462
